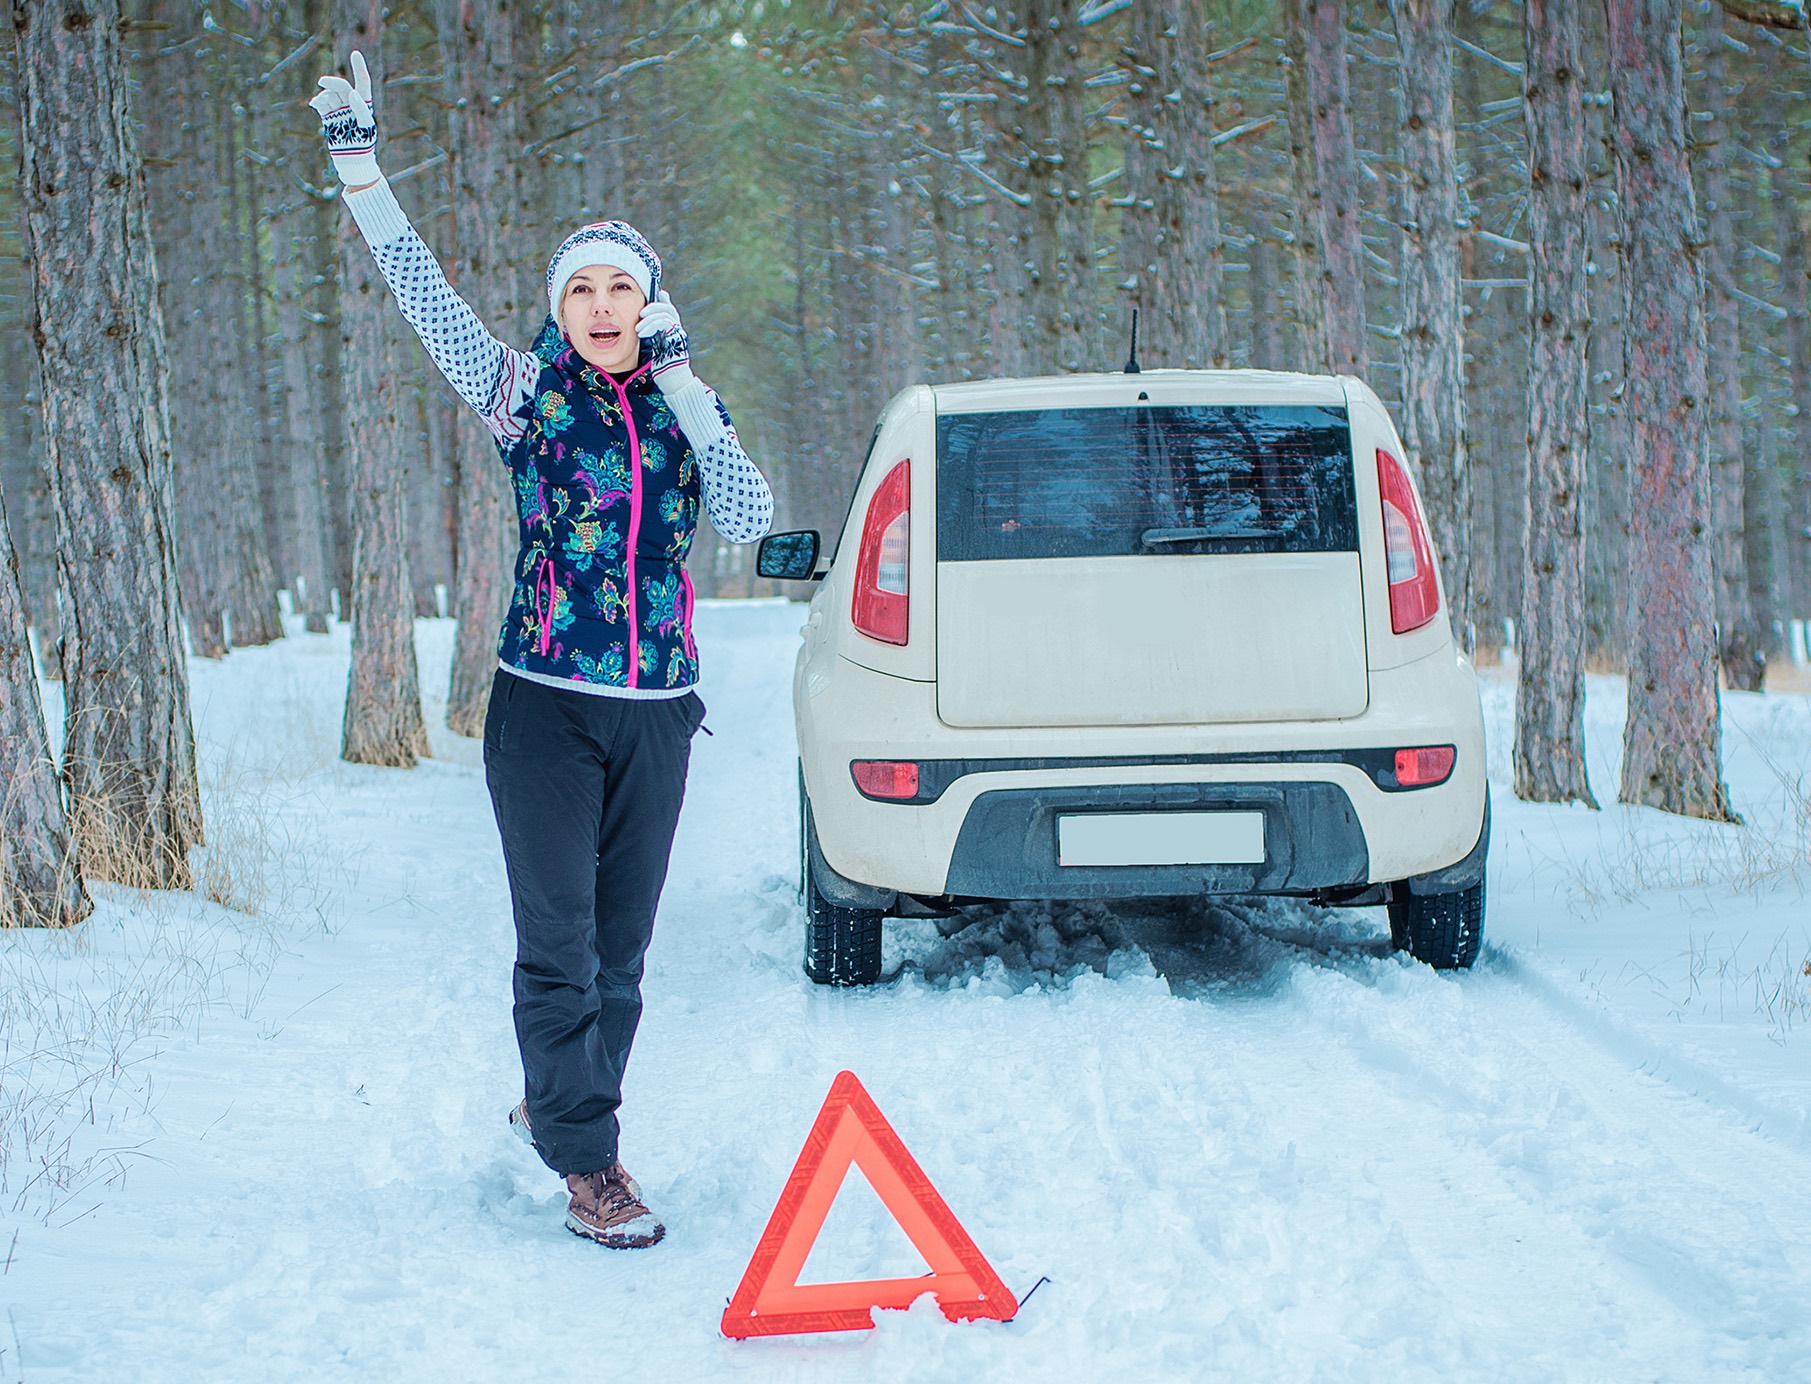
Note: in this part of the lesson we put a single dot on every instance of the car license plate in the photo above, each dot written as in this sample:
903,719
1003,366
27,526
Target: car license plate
1161,838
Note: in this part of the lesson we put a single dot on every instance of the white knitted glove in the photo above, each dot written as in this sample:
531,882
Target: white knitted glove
659,325
348,124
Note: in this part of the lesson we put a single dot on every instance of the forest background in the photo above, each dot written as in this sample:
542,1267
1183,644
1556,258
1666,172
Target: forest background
853,197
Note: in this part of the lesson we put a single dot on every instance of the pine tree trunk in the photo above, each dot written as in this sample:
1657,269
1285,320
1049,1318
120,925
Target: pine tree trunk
1795,297
1053,130
320,223
1267,351
532,228
1433,336
304,445
1191,298
1009,325
187,219
129,749
258,530
330,376
1606,506
40,874
383,723
23,477
1550,691
1327,205
1768,576
1672,742
44,589
1740,646
956,317
1305,209
475,44
1147,130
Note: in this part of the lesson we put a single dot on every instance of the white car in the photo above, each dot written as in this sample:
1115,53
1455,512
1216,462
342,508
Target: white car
1146,634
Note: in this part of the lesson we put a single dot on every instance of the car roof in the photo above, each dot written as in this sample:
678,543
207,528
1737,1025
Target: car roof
1173,387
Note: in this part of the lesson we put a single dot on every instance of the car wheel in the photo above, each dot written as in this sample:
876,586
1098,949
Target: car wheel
1443,930
842,945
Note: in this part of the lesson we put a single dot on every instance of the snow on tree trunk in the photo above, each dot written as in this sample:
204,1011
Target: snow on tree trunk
1433,335
475,45
1741,648
383,722
1328,201
129,747
1672,742
40,878
1550,690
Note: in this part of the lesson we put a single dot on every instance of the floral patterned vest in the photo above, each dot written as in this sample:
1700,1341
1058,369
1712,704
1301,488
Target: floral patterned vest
607,494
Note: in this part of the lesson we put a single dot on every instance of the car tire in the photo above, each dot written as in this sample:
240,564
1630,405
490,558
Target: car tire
1443,930
842,945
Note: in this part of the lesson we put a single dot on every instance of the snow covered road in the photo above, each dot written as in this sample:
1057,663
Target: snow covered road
1242,1142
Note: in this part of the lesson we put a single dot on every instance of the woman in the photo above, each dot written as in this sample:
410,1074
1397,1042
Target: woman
610,441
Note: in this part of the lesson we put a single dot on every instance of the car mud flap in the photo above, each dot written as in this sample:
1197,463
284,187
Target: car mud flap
845,893
1461,874
1007,846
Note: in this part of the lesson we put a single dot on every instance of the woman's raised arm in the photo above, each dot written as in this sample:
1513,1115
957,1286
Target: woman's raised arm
495,379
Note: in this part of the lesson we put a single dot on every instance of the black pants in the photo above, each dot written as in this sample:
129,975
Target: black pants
587,792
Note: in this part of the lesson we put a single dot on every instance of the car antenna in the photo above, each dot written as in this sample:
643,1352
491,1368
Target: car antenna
1132,367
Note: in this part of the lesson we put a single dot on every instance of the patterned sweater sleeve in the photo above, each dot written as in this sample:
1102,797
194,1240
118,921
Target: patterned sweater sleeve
736,495
496,380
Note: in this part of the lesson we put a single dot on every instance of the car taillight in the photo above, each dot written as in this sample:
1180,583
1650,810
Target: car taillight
1408,554
886,778
1423,768
882,567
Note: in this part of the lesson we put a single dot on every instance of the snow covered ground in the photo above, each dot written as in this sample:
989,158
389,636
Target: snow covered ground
266,1140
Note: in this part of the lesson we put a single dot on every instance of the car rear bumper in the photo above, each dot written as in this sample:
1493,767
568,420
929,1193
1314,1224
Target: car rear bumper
986,828
1007,847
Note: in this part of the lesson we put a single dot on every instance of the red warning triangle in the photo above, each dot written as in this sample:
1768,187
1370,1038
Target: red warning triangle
770,1300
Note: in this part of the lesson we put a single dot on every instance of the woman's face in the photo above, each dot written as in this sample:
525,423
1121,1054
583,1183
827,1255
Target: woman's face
598,313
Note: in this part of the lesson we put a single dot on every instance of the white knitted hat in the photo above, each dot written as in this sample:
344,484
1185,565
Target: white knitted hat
614,243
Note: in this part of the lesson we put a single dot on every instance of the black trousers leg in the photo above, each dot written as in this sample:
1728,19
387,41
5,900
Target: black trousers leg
643,792
587,792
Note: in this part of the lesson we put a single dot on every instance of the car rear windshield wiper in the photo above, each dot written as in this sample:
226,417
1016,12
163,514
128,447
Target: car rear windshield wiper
1154,537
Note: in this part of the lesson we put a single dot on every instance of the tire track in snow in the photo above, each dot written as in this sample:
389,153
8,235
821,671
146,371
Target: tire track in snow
1649,1175
1629,1045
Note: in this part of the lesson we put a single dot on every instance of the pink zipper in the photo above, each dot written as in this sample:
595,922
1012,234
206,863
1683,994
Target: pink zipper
553,600
622,394
685,624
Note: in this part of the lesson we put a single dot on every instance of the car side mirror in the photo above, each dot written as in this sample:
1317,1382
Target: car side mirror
788,556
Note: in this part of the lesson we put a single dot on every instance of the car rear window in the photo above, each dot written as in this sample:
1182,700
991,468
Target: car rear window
1109,482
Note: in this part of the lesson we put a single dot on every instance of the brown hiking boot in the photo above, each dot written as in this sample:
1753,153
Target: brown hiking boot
607,1207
